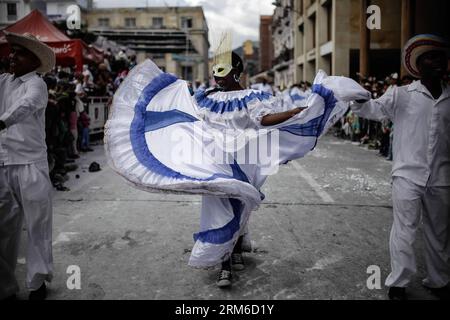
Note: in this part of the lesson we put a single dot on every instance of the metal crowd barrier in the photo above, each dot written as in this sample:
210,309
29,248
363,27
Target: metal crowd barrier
98,110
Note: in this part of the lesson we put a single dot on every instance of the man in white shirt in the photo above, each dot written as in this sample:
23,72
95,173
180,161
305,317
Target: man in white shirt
25,187
393,81
88,77
421,168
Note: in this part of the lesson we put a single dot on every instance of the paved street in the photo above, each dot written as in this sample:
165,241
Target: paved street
325,220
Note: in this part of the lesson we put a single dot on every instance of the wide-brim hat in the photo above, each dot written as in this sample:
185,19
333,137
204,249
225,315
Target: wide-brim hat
43,52
419,45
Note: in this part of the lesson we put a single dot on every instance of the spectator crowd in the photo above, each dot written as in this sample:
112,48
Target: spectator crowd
377,135
67,121
68,124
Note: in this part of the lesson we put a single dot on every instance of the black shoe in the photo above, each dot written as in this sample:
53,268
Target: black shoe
39,294
61,187
224,280
440,293
237,262
396,293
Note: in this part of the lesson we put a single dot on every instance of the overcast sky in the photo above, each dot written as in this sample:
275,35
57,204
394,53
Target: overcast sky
241,16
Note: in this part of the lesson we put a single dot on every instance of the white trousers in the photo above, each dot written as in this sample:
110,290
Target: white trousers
216,214
413,204
25,192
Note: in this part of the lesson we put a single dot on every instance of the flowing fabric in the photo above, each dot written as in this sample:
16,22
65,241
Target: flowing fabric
161,139
297,97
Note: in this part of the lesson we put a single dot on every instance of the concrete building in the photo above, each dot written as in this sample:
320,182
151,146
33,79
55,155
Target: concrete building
56,10
283,25
11,11
249,52
176,38
333,36
265,58
313,34
412,17
266,44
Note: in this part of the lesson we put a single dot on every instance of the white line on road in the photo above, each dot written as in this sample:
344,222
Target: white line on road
64,237
325,262
305,175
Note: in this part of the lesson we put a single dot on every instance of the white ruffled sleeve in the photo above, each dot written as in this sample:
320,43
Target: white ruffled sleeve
259,108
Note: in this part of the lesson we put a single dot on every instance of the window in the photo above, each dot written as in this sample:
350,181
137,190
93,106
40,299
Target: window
12,11
130,22
61,9
330,21
103,22
313,31
157,22
186,23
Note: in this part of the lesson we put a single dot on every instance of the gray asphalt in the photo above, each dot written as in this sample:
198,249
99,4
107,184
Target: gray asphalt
325,220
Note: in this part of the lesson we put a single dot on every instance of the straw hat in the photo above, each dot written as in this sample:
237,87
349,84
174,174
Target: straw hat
44,53
419,45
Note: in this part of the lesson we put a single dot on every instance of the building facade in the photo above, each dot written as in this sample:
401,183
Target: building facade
250,53
332,35
175,38
283,44
327,37
12,11
266,44
56,10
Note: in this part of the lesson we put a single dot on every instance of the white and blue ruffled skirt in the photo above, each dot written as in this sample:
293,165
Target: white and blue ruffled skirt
161,139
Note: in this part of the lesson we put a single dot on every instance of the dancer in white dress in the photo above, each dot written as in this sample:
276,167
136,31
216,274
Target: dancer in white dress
222,144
